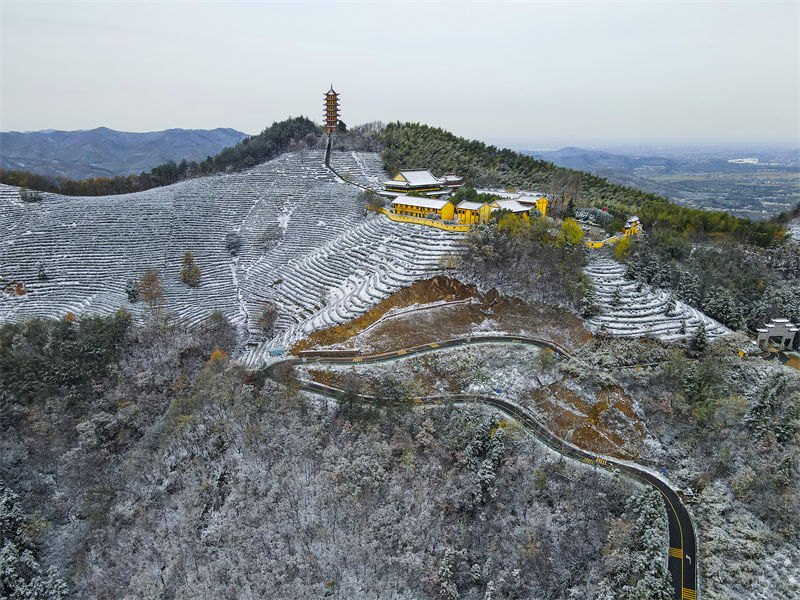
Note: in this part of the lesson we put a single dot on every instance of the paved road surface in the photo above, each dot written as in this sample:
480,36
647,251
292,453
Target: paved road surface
682,559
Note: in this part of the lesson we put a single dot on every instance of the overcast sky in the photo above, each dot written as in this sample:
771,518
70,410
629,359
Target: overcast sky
536,74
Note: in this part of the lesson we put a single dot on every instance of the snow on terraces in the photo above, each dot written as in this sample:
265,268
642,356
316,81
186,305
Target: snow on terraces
365,168
641,313
307,245
347,276
89,247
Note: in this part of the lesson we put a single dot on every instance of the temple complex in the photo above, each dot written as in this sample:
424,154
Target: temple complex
422,182
423,208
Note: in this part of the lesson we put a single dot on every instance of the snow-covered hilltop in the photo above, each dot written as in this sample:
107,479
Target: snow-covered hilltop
306,244
631,309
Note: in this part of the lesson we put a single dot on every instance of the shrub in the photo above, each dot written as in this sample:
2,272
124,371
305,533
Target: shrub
267,318
150,288
132,290
29,195
190,272
233,243
372,199
570,233
218,355
41,274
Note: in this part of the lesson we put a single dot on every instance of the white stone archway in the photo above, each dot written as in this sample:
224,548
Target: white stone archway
783,329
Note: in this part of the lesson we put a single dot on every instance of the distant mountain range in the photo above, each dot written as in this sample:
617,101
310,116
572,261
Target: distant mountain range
748,182
104,152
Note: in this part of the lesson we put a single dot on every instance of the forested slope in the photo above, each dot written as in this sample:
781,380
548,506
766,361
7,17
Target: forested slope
168,471
412,145
740,272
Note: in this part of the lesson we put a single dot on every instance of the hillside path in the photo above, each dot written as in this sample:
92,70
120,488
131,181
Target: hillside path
682,555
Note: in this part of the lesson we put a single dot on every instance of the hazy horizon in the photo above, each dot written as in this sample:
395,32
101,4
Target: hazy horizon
534,144
521,75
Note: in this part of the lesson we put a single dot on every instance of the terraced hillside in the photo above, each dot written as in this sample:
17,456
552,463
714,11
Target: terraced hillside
365,168
306,244
631,310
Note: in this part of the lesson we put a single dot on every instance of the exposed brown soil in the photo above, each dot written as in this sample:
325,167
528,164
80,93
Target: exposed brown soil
422,292
326,377
434,323
15,288
607,426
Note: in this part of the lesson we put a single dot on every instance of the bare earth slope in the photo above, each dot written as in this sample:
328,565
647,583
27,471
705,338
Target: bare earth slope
307,245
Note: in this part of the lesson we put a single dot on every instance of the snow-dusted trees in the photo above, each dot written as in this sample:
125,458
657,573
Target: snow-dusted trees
735,421
689,288
636,547
132,290
483,455
21,575
700,339
721,304
737,286
529,258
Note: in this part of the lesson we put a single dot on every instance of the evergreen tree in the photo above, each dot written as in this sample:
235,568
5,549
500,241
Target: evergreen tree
589,306
132,291
651,268
724,307
700,339
689,288
233,243
672,304
633,270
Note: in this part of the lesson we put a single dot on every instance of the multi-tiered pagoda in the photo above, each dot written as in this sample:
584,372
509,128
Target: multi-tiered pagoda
331,110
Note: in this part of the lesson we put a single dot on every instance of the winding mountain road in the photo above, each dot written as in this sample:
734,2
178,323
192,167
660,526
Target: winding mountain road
682,556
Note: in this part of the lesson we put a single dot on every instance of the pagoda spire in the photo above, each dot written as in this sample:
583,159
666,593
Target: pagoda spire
331,110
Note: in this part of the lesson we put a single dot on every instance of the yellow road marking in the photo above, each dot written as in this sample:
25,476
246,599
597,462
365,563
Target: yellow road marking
676,552
357,359
588,460
601,461
688,594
